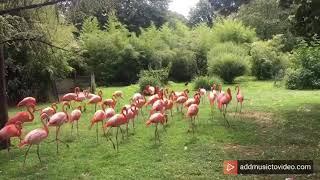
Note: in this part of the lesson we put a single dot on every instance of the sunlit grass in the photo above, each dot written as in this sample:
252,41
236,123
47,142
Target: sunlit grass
275,124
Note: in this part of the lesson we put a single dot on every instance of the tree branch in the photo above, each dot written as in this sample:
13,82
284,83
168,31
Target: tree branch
33,40
32,6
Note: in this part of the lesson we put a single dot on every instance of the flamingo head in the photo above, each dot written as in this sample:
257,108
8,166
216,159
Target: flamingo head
100,93
213,87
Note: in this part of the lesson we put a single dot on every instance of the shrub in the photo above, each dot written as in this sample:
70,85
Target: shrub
162,75
228,61
148,80
228,30
306,68
267,60
205,82
184,67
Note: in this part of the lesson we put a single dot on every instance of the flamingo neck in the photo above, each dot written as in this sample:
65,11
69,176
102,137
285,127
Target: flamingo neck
45,127
30,111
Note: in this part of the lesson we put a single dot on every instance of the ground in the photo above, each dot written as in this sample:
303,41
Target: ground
275,124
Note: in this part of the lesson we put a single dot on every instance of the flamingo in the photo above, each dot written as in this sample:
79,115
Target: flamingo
25,116
35,137
57,120
10,131
152,99
194,100
110,102
130,115
82,96
98,116
28,101
71,96
95,99
156,118
116,121
159,105
149,90
181,100
202,93
169,104
75,117
139,103
240,98
137,96
50,111
118,94
192,113
223,103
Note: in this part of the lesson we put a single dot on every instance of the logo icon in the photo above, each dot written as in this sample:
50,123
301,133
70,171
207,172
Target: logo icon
230,167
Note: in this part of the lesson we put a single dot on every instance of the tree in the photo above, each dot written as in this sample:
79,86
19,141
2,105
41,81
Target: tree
267,17
202,13
133,13
13,31
226,7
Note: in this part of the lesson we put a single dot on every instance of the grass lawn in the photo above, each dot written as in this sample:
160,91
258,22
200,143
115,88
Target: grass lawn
275,124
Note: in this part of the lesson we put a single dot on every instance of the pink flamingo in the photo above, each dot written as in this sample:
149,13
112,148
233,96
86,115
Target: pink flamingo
240,98
35,137
10,131
116,121
50,111
159,105
202,93
169,104
223,103
118,94
156,118
98,116
28,101
95,99
192,113
75,117
110,102
181,100
194,100
149,90
26,116
57,120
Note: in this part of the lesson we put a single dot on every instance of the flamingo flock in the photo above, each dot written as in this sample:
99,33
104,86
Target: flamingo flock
158,101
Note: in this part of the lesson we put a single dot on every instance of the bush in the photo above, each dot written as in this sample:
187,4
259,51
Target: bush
228,61
148,80
184,67
162,75
206,82
267,60
228,30
306,68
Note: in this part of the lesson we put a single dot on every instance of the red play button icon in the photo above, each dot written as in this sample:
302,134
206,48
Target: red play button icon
230,167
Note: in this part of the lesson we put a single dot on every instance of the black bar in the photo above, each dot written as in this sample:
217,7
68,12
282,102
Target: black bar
275,167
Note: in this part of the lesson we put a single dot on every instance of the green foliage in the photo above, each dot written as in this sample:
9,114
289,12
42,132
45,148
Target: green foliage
110,53
267,17
226,30
305,72
228,60
203,12
267,60
206,82
184,67
148,80
162,75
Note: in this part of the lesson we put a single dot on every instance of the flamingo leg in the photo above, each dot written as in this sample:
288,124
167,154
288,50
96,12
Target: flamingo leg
97,132
117,139
155,134
240,107
25,156
38,147
108,137
122,133
127,129
77,128
57,131
71,128
224,114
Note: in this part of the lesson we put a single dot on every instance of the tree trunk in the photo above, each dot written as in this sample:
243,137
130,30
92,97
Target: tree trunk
3,97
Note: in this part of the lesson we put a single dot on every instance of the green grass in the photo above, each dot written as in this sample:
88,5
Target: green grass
276,124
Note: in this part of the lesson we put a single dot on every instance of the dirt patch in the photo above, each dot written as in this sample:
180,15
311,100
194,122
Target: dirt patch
264,119
247,150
